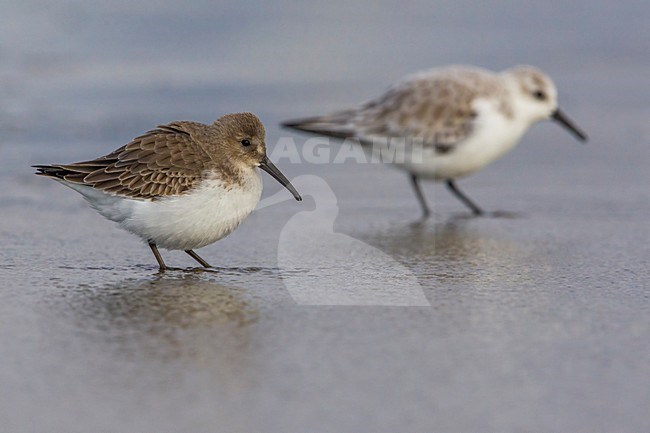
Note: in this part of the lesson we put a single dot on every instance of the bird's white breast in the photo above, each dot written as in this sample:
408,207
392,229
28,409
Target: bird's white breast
188,221
493,134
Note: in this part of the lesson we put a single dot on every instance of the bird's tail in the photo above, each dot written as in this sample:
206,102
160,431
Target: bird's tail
54,171
337,125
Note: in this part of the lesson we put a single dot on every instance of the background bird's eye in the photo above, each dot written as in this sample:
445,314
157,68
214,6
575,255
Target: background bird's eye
245,142
539,95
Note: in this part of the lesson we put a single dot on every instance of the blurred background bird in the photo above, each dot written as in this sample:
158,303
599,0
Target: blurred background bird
450,121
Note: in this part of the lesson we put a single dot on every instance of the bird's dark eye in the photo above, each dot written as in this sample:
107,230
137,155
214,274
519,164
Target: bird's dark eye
539,95
245,142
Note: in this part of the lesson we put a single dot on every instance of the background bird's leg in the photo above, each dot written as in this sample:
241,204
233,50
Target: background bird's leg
156,254
462,197
198,258
418,192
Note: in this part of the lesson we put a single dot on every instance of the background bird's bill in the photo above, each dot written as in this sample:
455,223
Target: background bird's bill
562,119
271,169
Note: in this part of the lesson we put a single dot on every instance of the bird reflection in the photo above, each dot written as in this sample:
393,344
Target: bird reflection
185,318
458,249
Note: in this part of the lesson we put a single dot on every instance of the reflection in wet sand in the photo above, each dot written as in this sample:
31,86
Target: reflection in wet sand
457,249
164,320
162,302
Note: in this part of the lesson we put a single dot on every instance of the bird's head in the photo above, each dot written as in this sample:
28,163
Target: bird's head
535,97
241,140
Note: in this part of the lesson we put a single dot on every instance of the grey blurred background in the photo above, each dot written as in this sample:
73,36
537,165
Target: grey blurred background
78,69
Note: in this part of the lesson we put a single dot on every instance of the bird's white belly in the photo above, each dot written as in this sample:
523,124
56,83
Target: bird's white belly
491,138
193,220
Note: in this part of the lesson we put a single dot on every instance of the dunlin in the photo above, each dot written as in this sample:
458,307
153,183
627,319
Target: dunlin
181,186
461,117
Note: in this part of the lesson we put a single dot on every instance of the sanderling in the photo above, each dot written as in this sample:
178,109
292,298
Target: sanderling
462,117
181,186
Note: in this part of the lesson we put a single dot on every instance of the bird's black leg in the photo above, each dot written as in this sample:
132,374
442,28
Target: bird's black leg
462,197
198,258
418,192
156,254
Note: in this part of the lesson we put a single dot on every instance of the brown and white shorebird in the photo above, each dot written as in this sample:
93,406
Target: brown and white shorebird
460,117
180,186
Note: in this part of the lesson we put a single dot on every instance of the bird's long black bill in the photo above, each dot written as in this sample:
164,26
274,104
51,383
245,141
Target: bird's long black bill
271,169
562,119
